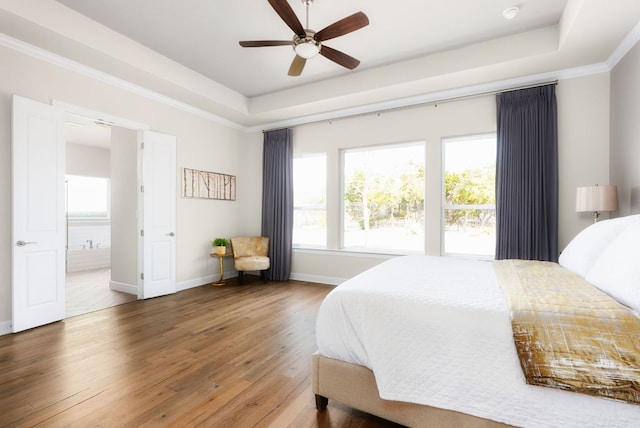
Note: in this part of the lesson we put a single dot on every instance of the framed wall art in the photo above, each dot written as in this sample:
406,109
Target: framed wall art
208,185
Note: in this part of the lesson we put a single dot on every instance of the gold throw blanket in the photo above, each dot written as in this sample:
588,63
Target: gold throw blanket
569,334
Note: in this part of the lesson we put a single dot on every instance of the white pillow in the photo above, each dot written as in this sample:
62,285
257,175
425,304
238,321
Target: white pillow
583,251
617,270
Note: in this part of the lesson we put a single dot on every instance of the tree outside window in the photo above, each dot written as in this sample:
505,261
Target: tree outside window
469,195
384,198
310,201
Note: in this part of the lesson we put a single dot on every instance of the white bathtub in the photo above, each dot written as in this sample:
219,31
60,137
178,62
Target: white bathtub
89,258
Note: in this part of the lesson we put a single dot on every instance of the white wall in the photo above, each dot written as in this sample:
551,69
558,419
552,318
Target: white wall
251,184
201,144
583,106
625,131
124,205
583,147
87,161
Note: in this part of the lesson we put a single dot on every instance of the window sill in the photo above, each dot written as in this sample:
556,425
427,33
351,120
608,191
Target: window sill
89,220
381,254
352,252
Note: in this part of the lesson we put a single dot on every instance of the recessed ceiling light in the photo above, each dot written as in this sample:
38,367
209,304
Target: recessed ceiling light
511,12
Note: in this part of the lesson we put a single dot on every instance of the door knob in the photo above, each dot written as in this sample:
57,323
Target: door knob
22,243
171,234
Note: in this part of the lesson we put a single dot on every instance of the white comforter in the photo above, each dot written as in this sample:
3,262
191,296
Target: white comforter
436,331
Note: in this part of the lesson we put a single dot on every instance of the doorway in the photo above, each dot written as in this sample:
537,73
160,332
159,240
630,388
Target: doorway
88,267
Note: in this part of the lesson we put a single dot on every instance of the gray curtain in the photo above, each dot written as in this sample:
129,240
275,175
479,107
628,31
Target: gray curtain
277,201
527,175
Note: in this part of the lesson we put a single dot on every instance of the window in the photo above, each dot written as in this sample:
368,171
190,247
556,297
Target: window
88,197
383,194
469,208
309,201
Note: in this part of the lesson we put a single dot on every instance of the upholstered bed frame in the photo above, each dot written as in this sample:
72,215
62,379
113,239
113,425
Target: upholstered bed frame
355,386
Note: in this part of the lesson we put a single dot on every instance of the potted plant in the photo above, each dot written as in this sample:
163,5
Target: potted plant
221,245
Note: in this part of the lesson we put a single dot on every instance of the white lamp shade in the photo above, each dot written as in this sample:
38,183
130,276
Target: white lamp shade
597,198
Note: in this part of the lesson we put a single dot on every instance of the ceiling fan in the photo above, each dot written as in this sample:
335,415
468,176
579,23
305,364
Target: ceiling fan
308,43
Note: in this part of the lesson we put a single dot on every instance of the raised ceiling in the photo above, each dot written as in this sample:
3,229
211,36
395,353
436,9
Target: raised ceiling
203,35
188,50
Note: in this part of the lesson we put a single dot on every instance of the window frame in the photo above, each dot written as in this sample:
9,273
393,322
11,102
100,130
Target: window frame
342,206
443,204
326,229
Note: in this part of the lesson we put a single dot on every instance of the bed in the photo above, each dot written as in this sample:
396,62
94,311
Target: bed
428,341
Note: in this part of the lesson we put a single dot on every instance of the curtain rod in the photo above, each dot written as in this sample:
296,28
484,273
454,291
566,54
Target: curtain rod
418,105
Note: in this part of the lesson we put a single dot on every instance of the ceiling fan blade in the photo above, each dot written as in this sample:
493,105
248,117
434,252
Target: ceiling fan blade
338,57
261,43
289,17
344,26
297,65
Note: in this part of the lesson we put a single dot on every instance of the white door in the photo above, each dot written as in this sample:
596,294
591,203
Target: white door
158,153
38,241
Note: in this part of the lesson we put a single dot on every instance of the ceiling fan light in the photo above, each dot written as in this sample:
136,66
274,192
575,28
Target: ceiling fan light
307,49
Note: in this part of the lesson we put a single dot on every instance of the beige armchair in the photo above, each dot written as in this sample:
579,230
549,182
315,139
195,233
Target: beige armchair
250,254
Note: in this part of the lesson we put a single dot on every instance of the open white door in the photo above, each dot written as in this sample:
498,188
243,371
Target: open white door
158,225
38,241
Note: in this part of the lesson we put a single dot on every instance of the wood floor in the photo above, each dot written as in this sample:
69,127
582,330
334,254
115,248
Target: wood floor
232,356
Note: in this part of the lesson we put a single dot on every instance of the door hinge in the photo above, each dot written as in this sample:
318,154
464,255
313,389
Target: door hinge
142,145
141,189
142,276
142,232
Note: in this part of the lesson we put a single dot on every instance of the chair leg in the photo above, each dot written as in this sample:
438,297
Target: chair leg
240,277
263,276
321,403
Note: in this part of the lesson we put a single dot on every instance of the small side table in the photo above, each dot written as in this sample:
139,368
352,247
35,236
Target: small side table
221,259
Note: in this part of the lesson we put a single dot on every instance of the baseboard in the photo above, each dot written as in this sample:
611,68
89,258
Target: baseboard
197,282
124,288
329,280
5,327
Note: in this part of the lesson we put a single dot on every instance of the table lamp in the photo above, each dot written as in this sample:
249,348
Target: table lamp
597,199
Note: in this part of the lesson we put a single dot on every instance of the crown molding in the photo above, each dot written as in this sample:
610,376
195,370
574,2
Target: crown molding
482,89
76,67
624,47
468,91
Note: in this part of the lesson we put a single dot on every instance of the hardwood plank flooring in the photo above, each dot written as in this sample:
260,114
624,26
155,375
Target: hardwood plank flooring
232,356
